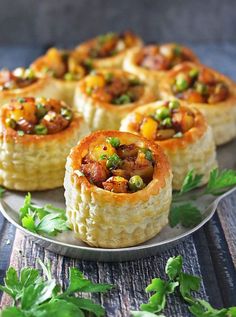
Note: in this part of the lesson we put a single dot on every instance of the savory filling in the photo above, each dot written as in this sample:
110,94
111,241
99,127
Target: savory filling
113,88
163,57
168,121
16,79
119,168
110,44
38,116
199,85
64,65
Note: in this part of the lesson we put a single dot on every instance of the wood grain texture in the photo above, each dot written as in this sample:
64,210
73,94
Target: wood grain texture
129,278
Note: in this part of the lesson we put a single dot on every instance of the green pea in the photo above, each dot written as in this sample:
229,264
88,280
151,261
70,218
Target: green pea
148,154
174,104
177,50
89,91
20,132
167,122
193,73
181,83
136,183
11,123
202,88
109,77
29,73
178,135
41,110
66,113
115,142
123,99
113,161
40,129
69,77
162,113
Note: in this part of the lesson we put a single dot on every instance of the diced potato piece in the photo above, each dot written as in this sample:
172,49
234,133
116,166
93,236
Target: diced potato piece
187,121
206,76
193,96
25,111
127,150
100,151
95,81
149,128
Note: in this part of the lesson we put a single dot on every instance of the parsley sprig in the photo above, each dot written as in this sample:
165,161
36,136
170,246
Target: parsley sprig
184,210
40,296
2,191
46,220
183,284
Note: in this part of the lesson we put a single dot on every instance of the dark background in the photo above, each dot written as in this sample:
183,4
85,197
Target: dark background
67,22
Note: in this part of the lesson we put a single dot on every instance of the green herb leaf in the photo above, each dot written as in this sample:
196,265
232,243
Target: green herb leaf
174,267
220,181
190,182
187,215
203,309
87,305
2,191
12,312
47,220
157,301
188,283
78,283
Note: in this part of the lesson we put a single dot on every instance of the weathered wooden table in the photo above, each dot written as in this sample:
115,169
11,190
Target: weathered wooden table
209,253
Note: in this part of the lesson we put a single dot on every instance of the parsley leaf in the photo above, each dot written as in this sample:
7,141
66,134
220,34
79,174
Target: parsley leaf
201,309
187,215
220,181
187,284
174,267
2,191
36,296
191,181
78,283
47,220
157,301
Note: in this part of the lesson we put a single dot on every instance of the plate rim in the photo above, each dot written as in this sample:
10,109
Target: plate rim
115,250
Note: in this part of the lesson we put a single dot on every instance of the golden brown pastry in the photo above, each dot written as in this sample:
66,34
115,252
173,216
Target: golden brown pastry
24,82
183,134
152,62
211,92
117,189
106,96
64,68
36,135
109,50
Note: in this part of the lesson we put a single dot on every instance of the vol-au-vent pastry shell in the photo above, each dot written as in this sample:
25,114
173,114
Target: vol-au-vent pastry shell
108,219
36,162
102,115
195,150
161,66
113,61
221,116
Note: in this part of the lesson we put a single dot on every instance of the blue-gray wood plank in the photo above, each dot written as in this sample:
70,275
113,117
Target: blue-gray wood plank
210,253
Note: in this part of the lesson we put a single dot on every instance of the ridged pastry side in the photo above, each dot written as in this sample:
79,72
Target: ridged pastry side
66,90
222,119
200,156
111,224
43,87
115,220
38,163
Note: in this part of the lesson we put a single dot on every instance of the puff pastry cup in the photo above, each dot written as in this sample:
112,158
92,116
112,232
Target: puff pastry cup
106,96
211,92
64,69
182,133
36,135
109,50
152,62
24,82
117,189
